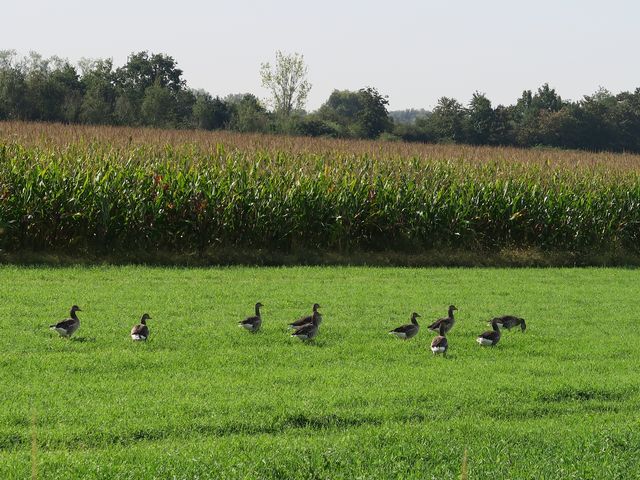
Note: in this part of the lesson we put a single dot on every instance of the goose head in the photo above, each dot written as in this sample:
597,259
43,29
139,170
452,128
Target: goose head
316,307
414,317
144,318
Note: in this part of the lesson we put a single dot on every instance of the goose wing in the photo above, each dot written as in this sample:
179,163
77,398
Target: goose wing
297,328
515,321
141,330
489,335
403,328
305,329
435,326
302,321
250,321
506,320
439,342
65,324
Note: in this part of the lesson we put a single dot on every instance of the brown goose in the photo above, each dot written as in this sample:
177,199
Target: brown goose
252,323
509,321
308,330
409,330
447,321
140,332
440,343
305,320
490,338
68,327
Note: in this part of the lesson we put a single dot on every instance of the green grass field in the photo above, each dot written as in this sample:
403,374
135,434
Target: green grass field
204,399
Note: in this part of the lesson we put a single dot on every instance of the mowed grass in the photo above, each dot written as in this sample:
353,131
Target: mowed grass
205,399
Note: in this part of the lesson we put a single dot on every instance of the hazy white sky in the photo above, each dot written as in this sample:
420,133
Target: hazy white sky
413,51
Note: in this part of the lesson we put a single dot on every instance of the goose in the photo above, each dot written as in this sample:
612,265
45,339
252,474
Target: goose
308,330
68,327
440,343
140,332
409,330
305,320
491,337
252,323
509,321
447,321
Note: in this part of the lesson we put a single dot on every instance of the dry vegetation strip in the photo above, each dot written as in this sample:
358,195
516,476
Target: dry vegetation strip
58,135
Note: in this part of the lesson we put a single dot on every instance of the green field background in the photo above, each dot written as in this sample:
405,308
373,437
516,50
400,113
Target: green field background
205,399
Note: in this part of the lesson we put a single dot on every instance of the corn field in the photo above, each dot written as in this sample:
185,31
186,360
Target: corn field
106,189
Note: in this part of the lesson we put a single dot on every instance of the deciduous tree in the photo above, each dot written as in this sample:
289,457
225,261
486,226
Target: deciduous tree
287,82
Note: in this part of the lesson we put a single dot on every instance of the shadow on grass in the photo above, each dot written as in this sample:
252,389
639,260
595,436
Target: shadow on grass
83,339
446,357
311,343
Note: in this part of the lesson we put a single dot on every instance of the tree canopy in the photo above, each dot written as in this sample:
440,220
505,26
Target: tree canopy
149,89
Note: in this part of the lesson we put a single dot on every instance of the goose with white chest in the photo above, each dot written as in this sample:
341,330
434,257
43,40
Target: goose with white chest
308,331
408,330
491,337
140,332
440,344
68,327
254,322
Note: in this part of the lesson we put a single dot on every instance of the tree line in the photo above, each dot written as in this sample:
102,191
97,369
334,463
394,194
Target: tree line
149,90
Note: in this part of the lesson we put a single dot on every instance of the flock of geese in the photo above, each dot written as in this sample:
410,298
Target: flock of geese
442,326
306,328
